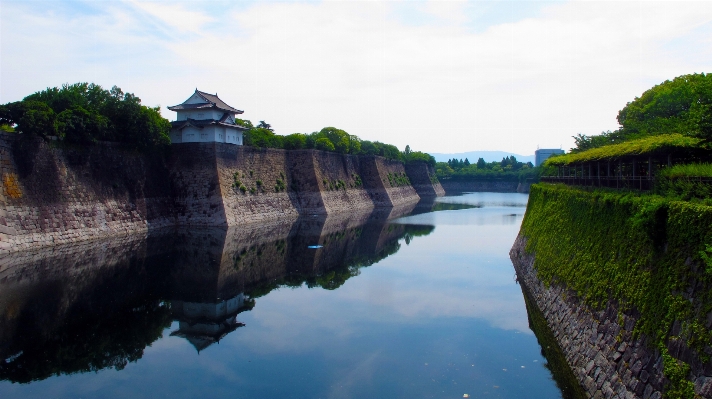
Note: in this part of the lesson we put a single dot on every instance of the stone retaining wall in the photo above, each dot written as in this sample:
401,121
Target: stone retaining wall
598,345
52,196
53,193
250,188
422,177
340,182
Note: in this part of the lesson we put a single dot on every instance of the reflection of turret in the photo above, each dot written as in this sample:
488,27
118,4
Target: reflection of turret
80,308
203,324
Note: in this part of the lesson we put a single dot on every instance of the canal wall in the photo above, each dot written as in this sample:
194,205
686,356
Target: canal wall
498,186
54,193
625,287
424,180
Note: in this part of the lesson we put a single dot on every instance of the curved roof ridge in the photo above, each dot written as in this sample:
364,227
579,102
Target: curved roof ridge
211,99
216,101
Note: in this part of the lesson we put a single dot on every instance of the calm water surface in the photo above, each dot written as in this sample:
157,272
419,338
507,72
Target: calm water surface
423,305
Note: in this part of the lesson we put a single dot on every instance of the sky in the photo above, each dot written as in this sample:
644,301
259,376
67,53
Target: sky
440,76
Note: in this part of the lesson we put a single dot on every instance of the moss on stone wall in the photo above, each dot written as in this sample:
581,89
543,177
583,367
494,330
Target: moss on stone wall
643,252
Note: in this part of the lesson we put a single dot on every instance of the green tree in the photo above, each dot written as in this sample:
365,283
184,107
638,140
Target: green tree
37,119
263,137
354,144
244,123
682,105
77,125
265,125
339,138
295,141
368,148
481,164
86,113
324,144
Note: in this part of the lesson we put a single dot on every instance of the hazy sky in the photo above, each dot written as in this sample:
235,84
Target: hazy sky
442,76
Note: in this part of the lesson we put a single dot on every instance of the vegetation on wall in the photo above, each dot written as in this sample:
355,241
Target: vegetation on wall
641,251
689,182
645,146
86,113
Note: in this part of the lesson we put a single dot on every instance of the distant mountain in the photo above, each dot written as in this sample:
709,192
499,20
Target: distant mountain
488,156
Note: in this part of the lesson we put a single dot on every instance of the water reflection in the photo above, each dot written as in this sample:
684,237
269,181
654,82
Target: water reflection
204,324
86,307
231,312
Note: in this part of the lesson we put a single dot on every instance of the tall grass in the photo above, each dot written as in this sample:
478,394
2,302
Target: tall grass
687,170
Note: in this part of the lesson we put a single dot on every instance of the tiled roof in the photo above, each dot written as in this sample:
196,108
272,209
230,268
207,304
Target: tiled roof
212,101
201,123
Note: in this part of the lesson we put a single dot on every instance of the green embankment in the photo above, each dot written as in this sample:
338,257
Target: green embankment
641,251
653,145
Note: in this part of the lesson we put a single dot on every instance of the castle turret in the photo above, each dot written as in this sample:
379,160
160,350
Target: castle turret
205,118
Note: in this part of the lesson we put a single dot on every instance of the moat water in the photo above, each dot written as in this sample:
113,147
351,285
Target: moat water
377,305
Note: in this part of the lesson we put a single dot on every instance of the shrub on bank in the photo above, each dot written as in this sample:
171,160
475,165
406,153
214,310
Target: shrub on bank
329,139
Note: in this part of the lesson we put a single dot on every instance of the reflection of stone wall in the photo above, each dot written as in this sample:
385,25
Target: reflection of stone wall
105,299
214,264
40,288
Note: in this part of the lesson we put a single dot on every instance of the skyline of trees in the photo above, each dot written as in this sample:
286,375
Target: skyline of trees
682,105
85,113
509,168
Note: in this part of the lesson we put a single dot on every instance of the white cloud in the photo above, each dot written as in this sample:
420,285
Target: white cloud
174,15
441,81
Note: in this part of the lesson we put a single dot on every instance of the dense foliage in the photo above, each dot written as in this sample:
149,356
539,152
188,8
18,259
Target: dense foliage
328,139
85,113
508,169
647,253
644,146
689,182
682,105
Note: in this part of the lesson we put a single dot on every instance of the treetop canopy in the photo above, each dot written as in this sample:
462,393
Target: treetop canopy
85,113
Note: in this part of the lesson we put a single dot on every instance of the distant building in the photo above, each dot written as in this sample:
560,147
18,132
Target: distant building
543,154
205,118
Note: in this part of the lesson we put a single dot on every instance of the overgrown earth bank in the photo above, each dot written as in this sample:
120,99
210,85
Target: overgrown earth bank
624,282
55,193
